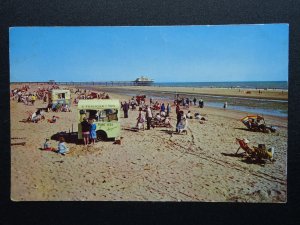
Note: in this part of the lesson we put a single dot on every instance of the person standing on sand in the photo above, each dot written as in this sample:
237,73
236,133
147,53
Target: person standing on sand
125,109
148,117
201,103
168,109
93,128
194,100
179,116
177,108
225,105
140,119
162,107
85,128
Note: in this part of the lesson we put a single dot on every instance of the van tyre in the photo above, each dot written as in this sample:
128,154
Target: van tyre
101,136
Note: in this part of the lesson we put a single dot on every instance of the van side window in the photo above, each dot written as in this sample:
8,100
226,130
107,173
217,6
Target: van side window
112,115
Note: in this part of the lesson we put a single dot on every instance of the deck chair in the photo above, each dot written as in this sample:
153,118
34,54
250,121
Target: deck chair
244,145
258,153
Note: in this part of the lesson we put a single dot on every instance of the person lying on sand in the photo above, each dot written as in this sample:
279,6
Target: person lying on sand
53,120
197,116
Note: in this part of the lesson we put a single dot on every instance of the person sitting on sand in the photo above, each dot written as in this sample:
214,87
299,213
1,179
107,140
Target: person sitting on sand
158,117
65,108
163,113
188,115
47,146
168,121
62,148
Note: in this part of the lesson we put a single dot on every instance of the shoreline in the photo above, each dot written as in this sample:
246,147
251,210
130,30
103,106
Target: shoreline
267,95
270,107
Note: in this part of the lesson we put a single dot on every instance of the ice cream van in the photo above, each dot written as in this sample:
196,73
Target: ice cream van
58,96
105,112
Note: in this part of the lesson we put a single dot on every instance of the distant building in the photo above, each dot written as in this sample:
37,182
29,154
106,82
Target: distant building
143,81
51,82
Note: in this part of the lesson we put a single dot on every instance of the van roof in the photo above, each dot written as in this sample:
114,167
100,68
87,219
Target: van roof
58,91
98,104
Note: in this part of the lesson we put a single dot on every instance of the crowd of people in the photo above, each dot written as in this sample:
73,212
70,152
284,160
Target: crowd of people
154,114
157,114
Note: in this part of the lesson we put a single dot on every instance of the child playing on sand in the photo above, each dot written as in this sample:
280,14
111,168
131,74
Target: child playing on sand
47,145
62,148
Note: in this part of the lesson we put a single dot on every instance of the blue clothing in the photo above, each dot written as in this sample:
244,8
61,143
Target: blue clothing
93,131
62,148
47,145
162,108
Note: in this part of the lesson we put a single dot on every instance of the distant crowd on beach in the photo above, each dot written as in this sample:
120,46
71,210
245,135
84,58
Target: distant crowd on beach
157,114
152,114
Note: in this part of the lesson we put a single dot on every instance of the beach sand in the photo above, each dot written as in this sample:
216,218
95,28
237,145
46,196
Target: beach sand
150,165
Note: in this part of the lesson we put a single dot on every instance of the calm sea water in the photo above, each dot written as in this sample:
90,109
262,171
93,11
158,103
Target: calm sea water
259,106
245,84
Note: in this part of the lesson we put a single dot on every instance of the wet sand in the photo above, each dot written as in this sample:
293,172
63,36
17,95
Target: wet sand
150,165
232,92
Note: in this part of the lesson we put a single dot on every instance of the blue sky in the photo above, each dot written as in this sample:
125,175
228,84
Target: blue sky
164,53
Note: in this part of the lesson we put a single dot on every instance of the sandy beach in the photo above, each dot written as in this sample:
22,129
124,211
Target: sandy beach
150,165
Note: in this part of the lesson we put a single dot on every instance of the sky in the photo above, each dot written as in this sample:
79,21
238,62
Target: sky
163,53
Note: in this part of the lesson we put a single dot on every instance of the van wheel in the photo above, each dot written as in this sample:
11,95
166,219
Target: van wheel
101,136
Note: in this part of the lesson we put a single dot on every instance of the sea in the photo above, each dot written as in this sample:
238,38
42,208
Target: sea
249,105
282,85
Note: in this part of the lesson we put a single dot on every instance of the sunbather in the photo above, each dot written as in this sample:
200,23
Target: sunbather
53,120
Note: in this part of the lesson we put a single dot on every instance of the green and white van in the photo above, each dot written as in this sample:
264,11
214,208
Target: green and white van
106,112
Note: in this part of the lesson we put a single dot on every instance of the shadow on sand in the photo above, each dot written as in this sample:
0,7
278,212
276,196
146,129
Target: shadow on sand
245,129
247,160
240,155
71,137
133,129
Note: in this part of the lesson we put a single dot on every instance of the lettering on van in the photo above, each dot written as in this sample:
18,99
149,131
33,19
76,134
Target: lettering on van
106,126
97,106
